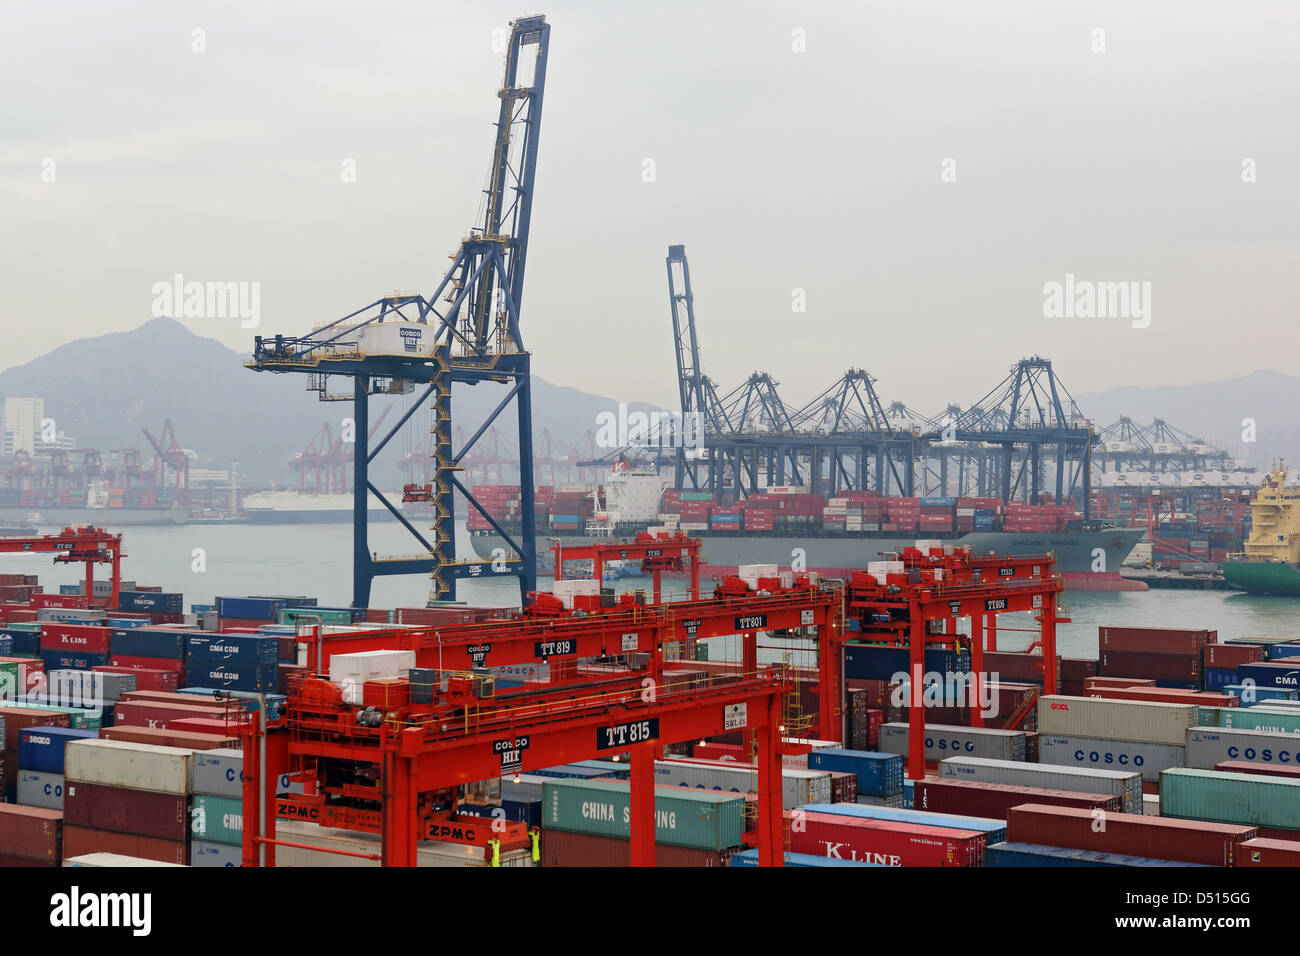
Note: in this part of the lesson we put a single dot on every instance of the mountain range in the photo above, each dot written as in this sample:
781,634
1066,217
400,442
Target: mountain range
104,390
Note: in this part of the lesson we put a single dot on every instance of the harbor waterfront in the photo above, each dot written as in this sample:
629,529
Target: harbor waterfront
315,559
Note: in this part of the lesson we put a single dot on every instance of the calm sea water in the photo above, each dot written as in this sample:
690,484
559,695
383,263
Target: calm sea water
316,560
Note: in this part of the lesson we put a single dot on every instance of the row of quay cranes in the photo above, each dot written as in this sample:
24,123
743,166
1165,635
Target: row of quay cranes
396,771
466,332
846,438
62,469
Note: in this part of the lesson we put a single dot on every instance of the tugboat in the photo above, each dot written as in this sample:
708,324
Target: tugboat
1269,563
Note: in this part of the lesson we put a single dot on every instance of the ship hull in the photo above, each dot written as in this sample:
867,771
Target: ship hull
1087,560
99,517
1263,577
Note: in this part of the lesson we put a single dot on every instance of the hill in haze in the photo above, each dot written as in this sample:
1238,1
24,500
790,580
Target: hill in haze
103,390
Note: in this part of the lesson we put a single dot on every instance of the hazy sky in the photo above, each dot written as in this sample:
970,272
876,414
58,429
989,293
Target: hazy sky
819,170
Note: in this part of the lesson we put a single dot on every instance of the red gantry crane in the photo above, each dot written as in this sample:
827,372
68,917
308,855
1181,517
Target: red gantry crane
75,545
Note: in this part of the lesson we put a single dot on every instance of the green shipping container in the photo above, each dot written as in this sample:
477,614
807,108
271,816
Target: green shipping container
290,615
217,819
706,820
1244,798
695,496
1259,717
80,718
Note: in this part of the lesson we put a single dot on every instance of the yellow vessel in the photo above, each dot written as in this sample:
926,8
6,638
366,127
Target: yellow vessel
1270,562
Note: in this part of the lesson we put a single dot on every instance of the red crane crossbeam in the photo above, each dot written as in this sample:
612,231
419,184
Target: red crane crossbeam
73,546
657,554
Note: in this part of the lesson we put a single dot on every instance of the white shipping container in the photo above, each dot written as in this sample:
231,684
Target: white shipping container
1017,773
798,787
1151,804
370,665
952,740
113,861
566,589
1207,746
1149,721
118,763
1146,758
800,761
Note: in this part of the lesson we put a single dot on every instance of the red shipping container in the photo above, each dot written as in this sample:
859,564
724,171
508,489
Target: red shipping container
146,678
78,841
1263,851
214,726
1155,666
1267,769
1094,682
1154,640
993,800
1077,669
844,787
887,842
59,600
715,751
151,663
8,860
171,737
149,713
31,833
1016,666
56,636
140,812
1167,695
18,719
1160,838
564,848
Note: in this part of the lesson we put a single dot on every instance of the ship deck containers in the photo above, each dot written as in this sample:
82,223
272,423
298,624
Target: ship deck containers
1126,785
1247,799
1161,838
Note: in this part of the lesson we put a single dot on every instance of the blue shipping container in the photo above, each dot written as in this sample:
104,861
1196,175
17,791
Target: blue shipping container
909,794
6,646
1252,694
572,770
73,660
124,622
750,858
23,641
1283,650
222,648
152,602
1217,678
164,645
877,662
41,748
879,775
234,675
251,609
1271,675
995,831
1033,854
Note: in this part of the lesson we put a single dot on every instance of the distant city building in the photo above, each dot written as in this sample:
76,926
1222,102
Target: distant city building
22,423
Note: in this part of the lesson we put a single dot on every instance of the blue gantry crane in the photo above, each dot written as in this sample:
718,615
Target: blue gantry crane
466,332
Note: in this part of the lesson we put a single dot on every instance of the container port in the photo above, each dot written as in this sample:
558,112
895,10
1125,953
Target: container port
301,575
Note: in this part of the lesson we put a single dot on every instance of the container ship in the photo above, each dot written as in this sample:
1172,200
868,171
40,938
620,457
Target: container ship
832,534
302,507
1271,562
98,504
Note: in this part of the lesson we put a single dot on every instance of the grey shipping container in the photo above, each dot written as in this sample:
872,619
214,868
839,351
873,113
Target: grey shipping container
522,785
896,800
219,772
1115,719
1146,758
40,789
951,740
1207,746
1125,785
203,853
75,687
116,763
796,785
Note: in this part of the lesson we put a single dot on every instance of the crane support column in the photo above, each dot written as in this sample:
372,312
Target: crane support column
361,576
916,710
771,838
977,670
642,805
